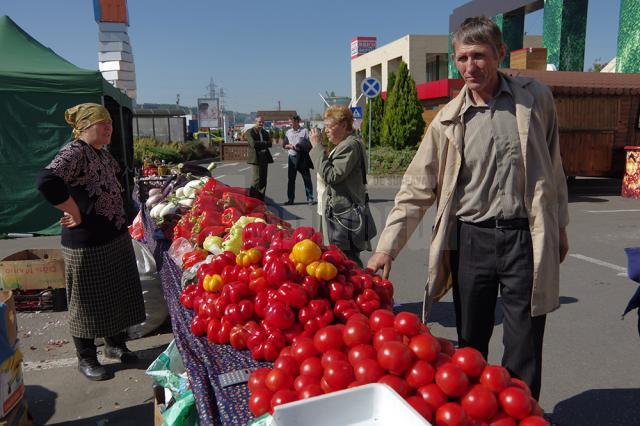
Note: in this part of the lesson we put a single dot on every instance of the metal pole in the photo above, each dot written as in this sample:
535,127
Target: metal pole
369,132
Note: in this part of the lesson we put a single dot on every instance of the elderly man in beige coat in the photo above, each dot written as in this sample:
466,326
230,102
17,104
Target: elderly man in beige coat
491,163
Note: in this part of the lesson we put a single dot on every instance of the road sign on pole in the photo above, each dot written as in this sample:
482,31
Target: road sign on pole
370,87
357,112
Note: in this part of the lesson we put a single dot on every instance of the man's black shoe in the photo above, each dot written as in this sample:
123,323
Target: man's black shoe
289,203
91,369
123,355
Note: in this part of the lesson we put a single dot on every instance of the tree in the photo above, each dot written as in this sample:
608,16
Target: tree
391,80
376,120
597,65
403,125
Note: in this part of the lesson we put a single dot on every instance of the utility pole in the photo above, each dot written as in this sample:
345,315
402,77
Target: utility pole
212,89
222,96
177,98
279,106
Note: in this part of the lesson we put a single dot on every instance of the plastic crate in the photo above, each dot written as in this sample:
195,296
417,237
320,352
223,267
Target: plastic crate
50,299
374,404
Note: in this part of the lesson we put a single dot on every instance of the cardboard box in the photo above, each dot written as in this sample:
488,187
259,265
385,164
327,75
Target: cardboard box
11,383
9,321
33,269
158,405
19,416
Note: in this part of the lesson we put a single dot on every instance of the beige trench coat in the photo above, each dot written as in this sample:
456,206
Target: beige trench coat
433,174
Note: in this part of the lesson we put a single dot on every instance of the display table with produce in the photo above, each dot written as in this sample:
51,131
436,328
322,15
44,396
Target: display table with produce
246,291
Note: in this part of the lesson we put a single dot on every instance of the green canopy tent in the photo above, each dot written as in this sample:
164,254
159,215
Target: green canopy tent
36,87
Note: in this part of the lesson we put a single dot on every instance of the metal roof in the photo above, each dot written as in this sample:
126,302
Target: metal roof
583,83
161,112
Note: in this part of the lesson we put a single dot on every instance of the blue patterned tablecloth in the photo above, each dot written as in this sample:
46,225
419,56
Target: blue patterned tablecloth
203,360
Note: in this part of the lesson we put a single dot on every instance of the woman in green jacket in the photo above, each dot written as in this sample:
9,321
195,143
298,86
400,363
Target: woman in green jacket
340,172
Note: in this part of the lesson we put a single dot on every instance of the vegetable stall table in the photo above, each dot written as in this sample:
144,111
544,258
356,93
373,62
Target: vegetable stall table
204,361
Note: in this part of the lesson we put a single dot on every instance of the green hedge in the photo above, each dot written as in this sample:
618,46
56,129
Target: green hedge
386,161
171,152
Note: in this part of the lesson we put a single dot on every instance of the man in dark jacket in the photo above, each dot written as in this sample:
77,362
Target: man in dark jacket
259,156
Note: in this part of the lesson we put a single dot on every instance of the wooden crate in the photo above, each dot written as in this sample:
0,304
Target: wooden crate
529,58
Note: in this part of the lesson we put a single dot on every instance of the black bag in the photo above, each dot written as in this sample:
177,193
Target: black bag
350,228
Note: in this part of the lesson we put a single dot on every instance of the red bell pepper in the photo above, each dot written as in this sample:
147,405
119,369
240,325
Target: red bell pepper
253,231
292,294
277,271
230,216
384,288
311,286
315,315
279,315
368,301
190,258
183,227
243,203
307,232
361,280
282,243
335,256
343,309
230,273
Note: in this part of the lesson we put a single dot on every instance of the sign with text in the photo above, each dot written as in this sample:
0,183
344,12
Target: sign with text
362,45
208,113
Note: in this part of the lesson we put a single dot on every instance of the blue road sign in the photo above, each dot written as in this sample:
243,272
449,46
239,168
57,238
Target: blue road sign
370,87
357,112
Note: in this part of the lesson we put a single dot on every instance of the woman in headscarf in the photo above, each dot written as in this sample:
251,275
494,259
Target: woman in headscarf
103,285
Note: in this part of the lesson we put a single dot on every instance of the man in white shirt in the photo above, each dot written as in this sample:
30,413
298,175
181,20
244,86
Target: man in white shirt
296,141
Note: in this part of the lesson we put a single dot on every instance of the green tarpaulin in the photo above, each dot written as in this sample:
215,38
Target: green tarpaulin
36,87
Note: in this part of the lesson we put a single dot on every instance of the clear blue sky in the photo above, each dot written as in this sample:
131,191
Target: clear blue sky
259,51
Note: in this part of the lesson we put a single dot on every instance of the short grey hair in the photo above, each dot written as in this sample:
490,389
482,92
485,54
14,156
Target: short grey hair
479,30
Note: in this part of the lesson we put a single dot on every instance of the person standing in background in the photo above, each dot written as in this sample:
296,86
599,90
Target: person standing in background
296,140
259,157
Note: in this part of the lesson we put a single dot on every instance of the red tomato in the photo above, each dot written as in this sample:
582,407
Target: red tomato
325,386
420,374
277,380
283,396
515,402
355,384
332,355
395,357
446,345
368,371
451,414
451,380
212,330
329,337
407,323
270,351
425,347
286,351
381,318
386,334
312,367
520,384
432,395
199,326
480,403
441,360
536,410
338,375
356,333
502,419
302,382
186,299
533,421
360,352
396,383
495,378
470,360
310,391
256,379
358,317
303,348
421,407
287,364
260,402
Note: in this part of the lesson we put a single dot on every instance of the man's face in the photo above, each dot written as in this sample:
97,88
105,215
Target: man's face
259,123
294,123
478,64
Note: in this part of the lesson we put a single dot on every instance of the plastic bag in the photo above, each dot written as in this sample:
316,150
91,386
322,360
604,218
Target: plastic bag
182,412
179,247
144,259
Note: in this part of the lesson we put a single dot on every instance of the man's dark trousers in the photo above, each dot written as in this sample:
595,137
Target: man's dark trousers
306,178
259,185
488,260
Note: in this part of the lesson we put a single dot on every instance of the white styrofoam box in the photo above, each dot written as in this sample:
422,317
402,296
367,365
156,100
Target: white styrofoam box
116,66
113,26
115,56
113,36
374,404
114,46
119,75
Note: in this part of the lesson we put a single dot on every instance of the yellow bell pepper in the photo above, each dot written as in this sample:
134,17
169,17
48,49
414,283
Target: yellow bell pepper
322,270
306,251
212,283
248,257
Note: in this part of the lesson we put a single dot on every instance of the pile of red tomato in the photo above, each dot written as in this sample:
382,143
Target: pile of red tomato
327,325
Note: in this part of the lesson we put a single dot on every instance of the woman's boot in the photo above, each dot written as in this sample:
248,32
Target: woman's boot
88,363
116,348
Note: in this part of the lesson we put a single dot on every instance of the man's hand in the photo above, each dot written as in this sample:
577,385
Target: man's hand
288,146
68,221
564,244
379,261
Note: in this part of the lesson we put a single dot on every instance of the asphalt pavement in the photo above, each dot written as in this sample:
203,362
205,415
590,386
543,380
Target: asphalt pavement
591,372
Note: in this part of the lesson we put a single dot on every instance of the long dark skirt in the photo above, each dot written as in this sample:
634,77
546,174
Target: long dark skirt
103,288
